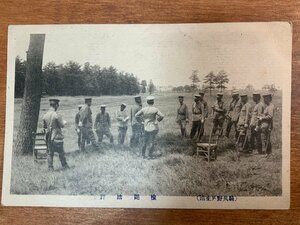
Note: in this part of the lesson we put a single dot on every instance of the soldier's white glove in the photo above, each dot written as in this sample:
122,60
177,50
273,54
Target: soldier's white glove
80,124
78,130
64,122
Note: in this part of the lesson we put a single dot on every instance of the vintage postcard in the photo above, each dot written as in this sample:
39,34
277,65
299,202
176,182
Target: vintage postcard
148,116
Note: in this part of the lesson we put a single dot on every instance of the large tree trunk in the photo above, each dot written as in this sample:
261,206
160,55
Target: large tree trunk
32,95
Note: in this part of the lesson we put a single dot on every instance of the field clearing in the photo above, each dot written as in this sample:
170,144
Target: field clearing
178,172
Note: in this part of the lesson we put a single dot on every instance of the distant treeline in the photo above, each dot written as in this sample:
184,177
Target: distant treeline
74,79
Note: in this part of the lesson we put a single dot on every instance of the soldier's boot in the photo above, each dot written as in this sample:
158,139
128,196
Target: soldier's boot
63,160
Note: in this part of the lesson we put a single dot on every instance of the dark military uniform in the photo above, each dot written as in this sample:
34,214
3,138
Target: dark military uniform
182,117
218,115
266,127
197,118
53,124
102,126
255,136
87,127
136,125
234,110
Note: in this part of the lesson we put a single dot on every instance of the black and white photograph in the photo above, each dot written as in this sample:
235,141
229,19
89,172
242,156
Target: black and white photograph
148,115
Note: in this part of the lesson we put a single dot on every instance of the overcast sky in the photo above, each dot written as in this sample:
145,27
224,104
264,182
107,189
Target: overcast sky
251,53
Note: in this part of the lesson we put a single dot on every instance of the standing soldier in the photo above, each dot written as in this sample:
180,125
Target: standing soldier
218,114
197,116
182,116
136,122
53,123
266,121
233,114
77,128
122,118
243,122
205,114
86,124
257,111
151,117
102,125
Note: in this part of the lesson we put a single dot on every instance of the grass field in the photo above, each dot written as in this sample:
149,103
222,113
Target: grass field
178,172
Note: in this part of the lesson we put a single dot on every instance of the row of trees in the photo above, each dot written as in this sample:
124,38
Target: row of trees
73,79
211,81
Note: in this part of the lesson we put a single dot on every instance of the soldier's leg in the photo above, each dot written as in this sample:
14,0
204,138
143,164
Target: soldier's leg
252,137
258,141
133,136
146,140
264,137
92,138
228,127
152,142
120,135
61,155
269,144
83,139
109,135
50,156
124,131
236,132
194,129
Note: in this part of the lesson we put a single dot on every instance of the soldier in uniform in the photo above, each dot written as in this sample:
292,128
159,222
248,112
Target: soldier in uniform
53,123
197,116
122,118
218,114
232,116
151,117
244,120
102,125
205,113
266,123
257,111
136,122
86,124
77,128
182,116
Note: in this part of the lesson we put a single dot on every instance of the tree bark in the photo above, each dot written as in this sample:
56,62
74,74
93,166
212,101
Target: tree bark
32,95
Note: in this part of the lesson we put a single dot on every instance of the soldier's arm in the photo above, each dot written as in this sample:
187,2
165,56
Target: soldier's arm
96,121
160,116
270,113
139,113
118,116
186,113
248,113
59,120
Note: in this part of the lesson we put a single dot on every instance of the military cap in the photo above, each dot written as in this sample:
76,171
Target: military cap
235,92
124,104
80,106
180,96
88,99
243,95
256,93
150,98
266,94
197,96
201,92
219,94
137,97
102,106
54,100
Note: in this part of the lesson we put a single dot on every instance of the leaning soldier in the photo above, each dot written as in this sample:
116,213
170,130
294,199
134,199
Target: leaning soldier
102,125
77,128
258,110
86,124
233,114
53,123
182,116
197,116
205,114
122,118
266,123
218,114
136,123
243,122
151,117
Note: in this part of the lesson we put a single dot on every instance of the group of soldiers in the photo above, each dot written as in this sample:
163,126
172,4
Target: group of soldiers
253,119
256,119
144,124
